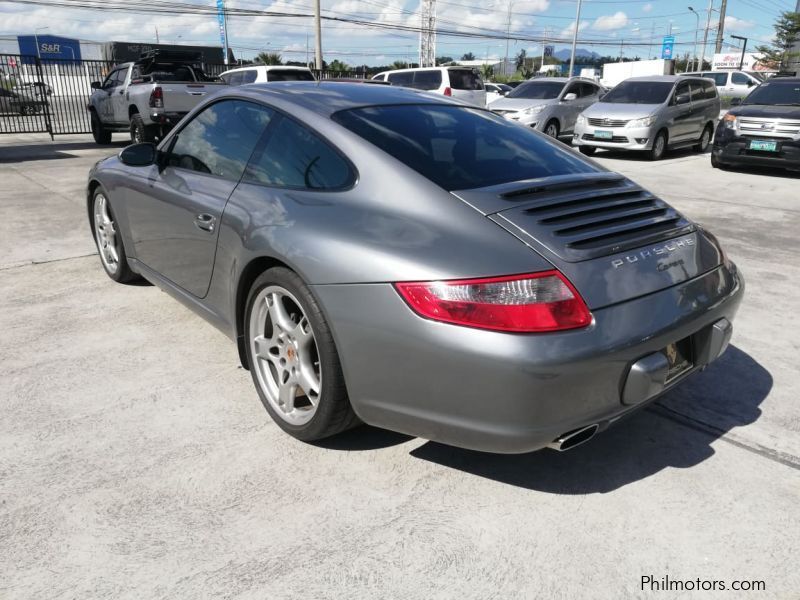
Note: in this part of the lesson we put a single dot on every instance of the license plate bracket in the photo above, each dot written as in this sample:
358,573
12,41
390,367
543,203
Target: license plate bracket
680,358
763,145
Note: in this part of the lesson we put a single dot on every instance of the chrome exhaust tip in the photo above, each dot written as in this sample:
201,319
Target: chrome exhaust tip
576,437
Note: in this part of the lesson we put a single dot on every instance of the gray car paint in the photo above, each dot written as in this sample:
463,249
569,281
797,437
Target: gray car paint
474,388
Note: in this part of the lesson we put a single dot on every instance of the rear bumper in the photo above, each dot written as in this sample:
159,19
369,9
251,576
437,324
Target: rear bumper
732,149
169,119
513,393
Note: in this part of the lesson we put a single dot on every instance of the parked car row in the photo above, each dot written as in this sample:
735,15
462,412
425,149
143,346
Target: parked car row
20,102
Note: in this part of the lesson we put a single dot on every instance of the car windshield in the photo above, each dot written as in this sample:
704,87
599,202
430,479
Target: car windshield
460,147
781,93
639,92
537,90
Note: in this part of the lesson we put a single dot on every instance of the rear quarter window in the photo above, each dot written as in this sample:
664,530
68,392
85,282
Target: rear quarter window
465,79
427,80
249,76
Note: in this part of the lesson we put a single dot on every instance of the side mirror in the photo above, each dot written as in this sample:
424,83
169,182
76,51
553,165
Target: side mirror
736,101
139,155
570,97
96,85
682,99
750,83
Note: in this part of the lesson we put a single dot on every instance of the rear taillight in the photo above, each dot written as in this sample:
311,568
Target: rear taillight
448,91
529,303
157,98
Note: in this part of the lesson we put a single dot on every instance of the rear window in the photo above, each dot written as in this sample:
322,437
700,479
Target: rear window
465,79
289,75
639,92
460,147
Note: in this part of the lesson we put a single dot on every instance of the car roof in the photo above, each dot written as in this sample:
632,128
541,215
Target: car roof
325,98
266,68
664,78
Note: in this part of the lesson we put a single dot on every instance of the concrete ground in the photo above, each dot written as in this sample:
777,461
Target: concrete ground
137,462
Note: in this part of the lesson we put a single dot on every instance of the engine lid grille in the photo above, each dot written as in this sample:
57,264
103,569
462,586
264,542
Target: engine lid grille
585,219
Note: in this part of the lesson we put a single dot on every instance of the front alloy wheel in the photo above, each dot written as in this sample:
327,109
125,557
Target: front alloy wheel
109,241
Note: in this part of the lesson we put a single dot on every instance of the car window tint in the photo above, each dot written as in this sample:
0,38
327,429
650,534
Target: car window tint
740,79
681,88
720,79
465,79
220,140
697,90
587,89
289,75
249,76
711,89
427,80
460,147
235,78
405,78
295,157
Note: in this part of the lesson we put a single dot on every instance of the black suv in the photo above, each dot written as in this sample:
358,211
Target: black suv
764,130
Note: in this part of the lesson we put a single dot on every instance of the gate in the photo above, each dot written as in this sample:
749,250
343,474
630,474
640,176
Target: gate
51,95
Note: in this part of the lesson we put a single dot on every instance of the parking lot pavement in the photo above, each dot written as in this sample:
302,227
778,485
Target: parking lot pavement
137,462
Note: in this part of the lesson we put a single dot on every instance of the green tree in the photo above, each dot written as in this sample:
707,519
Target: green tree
487,72
338,65
444,60
783,50
468,56
269,58
519,59
399,64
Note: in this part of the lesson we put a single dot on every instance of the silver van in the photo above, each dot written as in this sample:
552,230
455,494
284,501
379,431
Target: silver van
735,84
463,83
651,114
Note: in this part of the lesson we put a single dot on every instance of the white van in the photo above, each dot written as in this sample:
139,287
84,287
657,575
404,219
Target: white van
266,73
463,83
735,84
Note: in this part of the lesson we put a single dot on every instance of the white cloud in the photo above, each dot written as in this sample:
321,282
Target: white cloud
647,8
568,31
735,24
610,22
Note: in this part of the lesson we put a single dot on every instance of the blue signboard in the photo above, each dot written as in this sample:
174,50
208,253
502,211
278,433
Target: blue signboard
666,46
49,47
223,31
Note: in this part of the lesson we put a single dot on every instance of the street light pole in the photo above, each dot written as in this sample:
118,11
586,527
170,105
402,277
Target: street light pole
508,35
575,37
318,36
744,48
696,29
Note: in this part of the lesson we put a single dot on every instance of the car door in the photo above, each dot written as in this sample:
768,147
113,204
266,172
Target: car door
740,85
174,210
568,110
700,104
680,113
104,105
119,98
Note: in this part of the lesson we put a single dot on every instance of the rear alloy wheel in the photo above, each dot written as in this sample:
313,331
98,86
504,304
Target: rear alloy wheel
659,146
109,240
587,150
140,132
293,359
705,140
100,134
552,129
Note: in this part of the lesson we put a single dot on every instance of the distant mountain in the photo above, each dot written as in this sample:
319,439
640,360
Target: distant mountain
579,53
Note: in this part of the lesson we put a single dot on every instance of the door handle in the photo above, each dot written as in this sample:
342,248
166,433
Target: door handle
205,222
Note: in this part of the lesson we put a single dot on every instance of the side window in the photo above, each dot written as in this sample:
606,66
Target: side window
427,80
573,88
404,78
112,80
294,157
698,91
235,78
220,140
711,89
249,76
587,89
740,79
721,79
681,95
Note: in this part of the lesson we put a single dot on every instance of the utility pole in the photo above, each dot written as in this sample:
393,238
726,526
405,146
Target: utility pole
721,28
575,37
157,34
318,35
427,34
544,45
621,42
705,34
652,37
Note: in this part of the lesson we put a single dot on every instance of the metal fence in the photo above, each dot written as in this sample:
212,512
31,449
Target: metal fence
51,96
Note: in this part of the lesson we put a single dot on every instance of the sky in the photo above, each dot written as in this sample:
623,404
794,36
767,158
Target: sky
632,27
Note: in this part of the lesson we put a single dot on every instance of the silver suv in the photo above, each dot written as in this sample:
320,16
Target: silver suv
549,104
651,114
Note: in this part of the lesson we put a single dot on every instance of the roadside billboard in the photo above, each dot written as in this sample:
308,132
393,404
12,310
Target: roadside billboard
730,61
49,47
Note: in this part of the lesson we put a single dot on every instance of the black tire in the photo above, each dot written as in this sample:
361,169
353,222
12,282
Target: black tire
551,129
140,132
587,150
100,134
705,139
122,273
659,148
717,164
333,413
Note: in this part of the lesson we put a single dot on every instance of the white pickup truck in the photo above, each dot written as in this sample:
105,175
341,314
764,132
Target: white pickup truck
149,96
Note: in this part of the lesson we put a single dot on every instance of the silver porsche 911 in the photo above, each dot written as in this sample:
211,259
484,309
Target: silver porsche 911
385,256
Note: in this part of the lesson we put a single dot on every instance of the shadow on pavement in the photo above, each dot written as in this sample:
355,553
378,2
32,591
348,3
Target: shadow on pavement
52,150
728,393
